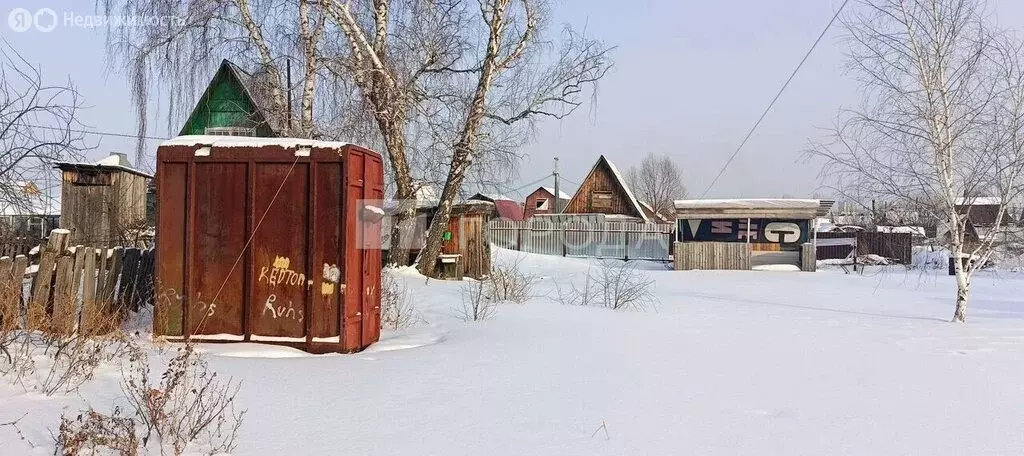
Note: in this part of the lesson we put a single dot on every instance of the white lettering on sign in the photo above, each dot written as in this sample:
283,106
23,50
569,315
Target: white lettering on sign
782,232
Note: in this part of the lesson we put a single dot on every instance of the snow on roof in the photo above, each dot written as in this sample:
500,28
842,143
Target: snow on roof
249,141
115,160
915,230
980,201
629,193
622,184
750,203
561,194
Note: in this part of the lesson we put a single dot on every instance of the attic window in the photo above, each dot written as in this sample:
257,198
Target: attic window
601,200
230,131
542,204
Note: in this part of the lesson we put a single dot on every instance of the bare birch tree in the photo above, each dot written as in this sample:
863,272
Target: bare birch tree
38,126
179,56
513,84
658,181
941,121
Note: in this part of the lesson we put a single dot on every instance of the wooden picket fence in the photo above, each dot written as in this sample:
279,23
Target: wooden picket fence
72,284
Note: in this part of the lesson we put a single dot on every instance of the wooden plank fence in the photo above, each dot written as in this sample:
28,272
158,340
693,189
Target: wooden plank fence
13,247
712,255
74,288
621,240
889,245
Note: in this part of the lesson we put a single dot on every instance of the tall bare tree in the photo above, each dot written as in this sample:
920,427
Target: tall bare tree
658,181
178,56
942,119
38,126
513,84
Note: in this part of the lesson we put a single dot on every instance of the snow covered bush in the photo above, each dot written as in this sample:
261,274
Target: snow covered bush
614,285
397,310
190,405
476,304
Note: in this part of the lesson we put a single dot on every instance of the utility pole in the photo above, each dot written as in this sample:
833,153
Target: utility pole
558,201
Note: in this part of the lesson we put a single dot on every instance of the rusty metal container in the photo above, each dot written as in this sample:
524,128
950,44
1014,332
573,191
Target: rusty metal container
270,240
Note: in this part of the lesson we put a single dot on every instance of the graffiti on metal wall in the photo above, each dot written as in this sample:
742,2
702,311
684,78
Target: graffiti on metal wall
280,311
332,275
768,231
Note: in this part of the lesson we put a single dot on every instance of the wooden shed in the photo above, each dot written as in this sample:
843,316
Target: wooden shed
466,239
269,240
102,201
745,233
465,250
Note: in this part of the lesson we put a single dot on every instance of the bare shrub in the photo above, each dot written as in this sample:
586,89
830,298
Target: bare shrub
397,310
55,358
92,430
189,405
476,305
508,283
613,286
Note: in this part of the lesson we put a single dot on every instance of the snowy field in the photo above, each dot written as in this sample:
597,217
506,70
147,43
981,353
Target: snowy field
752,363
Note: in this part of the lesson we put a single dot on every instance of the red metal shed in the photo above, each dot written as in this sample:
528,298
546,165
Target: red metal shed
269,240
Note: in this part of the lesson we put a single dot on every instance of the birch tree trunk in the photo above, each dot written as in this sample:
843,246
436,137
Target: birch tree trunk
462,157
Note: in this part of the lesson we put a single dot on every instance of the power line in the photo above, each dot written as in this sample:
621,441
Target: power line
542,179
99,133
777,95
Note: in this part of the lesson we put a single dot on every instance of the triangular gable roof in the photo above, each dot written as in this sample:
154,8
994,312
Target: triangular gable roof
562,195
248,83
618,180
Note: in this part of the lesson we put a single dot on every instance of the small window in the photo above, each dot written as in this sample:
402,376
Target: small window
230,131
542,204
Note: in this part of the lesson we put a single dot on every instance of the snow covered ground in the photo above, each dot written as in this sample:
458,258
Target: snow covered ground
750,363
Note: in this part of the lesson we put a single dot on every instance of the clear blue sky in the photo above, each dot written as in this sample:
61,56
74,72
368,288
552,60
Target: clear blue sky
690,78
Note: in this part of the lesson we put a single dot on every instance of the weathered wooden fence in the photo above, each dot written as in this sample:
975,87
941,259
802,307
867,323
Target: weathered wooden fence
712,255
626,241
13,247
71,286
888,245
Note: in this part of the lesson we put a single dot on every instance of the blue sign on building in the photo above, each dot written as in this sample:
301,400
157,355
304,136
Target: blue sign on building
761,231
